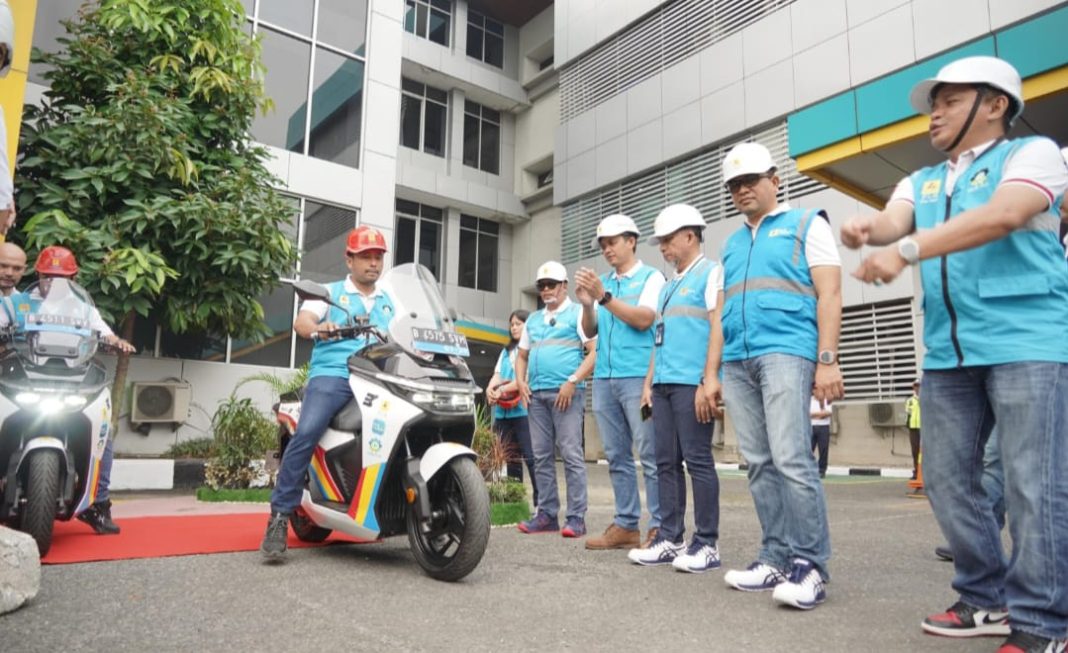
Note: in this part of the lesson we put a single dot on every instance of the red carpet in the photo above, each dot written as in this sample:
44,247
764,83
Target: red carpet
157,537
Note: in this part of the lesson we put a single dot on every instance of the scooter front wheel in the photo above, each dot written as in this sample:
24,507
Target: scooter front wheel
42,492
460,526
305,529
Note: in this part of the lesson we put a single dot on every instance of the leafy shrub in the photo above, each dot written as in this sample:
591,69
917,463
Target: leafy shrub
507,491
242,435
195,448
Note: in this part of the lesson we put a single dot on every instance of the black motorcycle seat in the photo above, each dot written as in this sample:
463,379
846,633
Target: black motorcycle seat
349,419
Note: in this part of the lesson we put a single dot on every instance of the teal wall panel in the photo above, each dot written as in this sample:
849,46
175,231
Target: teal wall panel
828,122
1037,45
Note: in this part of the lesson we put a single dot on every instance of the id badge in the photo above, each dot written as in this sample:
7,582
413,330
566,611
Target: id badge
658,334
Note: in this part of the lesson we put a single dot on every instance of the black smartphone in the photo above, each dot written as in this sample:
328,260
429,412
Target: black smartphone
647,412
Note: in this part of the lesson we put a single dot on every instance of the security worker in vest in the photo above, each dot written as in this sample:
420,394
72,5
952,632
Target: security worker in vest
550,370
328,388
622,320
982,229
914,420
682,418
775,339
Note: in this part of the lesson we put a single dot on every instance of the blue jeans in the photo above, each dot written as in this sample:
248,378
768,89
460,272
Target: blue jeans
1029,402
617,407
514,433
680,437
994,478
323,398
106,461
549,429
768,400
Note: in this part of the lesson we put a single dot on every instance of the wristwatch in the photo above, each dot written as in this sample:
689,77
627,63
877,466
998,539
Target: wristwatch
572,379
909,250
607,297
828,357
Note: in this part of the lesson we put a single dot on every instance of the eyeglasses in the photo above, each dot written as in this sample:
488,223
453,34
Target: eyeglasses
735,185
547,285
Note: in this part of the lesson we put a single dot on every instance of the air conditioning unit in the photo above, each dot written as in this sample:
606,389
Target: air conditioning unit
887,414
165,401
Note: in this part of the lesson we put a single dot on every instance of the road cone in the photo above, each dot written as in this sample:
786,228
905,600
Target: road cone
916,484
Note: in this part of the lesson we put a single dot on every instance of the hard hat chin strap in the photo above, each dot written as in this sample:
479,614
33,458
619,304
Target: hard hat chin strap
980,93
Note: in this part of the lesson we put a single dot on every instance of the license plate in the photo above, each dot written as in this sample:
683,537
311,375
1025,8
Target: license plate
440,342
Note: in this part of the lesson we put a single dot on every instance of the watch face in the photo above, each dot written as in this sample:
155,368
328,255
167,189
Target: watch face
827,357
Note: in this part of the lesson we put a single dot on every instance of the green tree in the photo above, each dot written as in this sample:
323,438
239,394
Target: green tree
140,161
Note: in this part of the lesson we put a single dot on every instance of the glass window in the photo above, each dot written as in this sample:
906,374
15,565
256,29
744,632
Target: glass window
337,101
428,19
323,249
485,39
343,24
482,138
292,15
478,253
423,117
419,230
274,349
287,62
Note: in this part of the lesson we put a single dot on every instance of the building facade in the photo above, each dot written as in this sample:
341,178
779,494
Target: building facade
484,137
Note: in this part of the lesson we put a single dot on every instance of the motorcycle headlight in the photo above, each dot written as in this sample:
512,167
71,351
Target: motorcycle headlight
446,402
50,403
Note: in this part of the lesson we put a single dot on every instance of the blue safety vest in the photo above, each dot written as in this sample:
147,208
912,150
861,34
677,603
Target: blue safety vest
555,348
506,370
769,301
1002,302
622,350
683,318
330,357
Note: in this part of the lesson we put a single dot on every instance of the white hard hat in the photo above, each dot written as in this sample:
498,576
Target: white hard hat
747,159
673,218
972,70
7,35
614,225
552,271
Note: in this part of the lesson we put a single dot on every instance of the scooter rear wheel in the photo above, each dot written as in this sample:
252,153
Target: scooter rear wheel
460,527
42,493
305,529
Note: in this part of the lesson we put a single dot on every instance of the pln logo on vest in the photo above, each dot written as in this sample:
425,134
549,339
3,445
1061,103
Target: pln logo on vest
929,190
780,232
979,180
343,300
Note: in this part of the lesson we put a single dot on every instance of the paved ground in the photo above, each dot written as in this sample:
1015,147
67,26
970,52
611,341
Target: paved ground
531,592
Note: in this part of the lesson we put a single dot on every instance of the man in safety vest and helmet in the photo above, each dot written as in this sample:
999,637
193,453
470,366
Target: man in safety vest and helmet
775,338
982,228
328,388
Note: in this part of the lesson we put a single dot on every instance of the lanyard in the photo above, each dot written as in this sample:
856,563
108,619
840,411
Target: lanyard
678,282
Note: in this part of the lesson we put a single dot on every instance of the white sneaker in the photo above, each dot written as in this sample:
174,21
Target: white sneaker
803,588
697,559
757,577
660,552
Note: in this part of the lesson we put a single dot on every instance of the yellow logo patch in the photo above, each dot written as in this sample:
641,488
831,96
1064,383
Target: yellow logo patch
930,189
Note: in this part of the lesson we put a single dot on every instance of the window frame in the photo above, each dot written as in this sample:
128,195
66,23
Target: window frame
478,112
424,100
417,217
479,231
483,25
431,7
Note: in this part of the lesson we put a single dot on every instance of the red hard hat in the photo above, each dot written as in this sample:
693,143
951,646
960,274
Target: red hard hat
56,261
364,239
508,400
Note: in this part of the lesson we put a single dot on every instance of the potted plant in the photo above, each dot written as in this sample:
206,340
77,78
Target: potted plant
508,497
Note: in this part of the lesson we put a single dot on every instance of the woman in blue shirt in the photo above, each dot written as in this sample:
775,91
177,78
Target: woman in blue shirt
509,415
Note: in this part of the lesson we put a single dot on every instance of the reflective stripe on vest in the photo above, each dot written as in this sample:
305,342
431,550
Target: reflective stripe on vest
555,349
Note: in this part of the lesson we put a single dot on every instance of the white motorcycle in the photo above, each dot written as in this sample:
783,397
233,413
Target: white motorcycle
55,409
397,458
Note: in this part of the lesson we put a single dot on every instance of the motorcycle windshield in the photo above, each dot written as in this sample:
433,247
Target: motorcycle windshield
421,321
53,325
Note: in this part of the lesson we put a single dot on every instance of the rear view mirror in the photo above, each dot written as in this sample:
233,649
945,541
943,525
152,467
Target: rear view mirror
306,290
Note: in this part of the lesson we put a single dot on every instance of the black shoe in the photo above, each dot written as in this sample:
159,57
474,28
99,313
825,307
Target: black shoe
98,516
273,546
944,553
1028,643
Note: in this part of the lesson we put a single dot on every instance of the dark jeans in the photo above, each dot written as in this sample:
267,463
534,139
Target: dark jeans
821,442
914,445
679,436
323,398
514,433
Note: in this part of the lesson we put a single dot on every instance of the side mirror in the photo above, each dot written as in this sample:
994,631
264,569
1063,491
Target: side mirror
307,289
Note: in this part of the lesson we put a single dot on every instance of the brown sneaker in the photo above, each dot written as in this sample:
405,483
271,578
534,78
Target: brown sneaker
614,537
650,537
